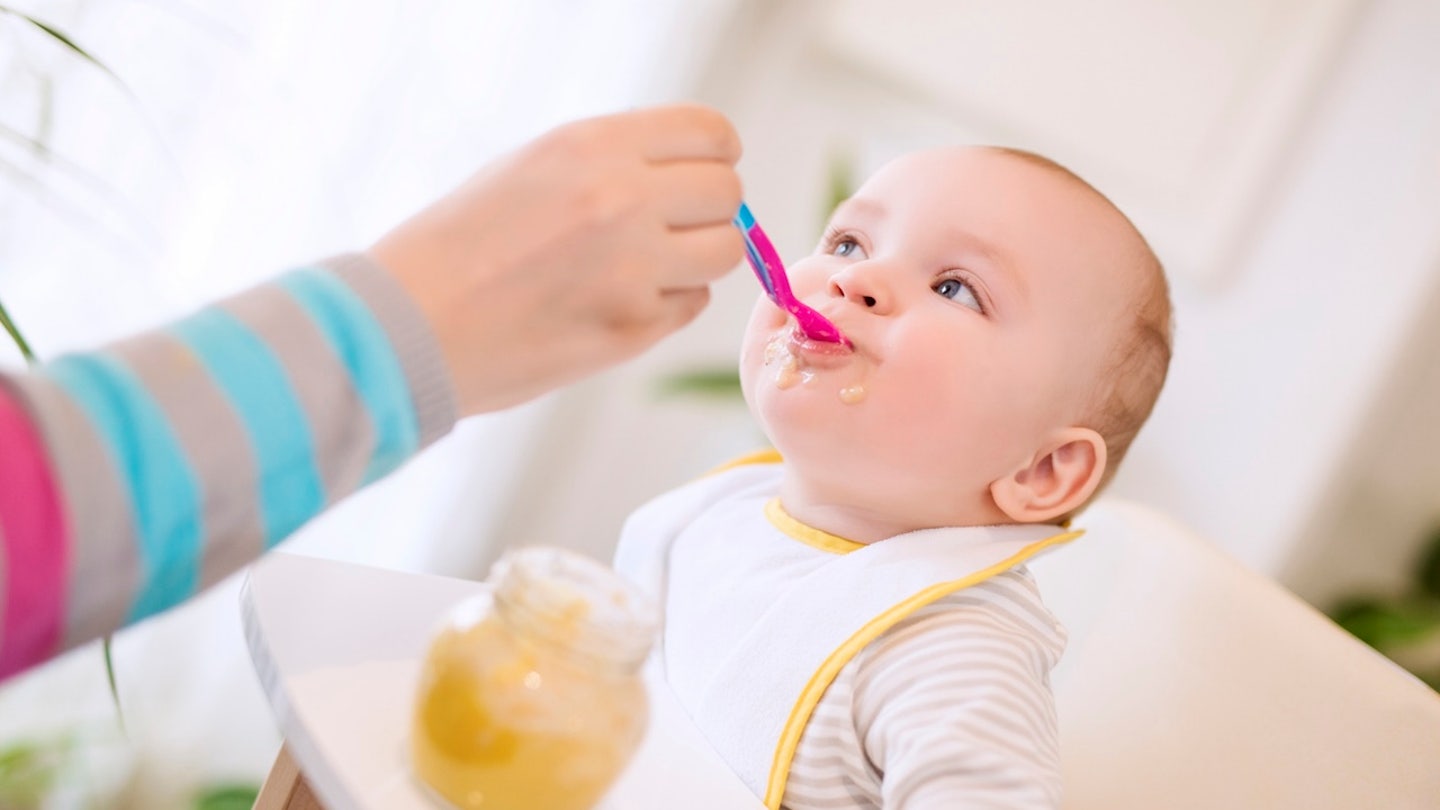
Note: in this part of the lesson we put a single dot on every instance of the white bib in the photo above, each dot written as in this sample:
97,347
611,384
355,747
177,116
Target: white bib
756,706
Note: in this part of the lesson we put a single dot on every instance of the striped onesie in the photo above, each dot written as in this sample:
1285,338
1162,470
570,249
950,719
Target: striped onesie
133,477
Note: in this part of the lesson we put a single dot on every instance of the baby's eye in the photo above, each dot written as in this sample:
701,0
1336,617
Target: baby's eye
845,247
957,290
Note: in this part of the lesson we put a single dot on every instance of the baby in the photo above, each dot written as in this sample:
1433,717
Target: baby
854,626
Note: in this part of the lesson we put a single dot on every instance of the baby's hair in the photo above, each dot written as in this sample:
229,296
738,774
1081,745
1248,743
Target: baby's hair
1140,358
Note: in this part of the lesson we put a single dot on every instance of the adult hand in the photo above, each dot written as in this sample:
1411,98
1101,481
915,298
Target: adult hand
577,251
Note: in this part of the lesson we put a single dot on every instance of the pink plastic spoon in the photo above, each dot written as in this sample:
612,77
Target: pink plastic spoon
771,272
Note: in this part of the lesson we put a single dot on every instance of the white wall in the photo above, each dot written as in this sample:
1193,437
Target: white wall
1274,377
1363,537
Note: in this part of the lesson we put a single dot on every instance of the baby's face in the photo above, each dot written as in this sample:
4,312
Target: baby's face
982,294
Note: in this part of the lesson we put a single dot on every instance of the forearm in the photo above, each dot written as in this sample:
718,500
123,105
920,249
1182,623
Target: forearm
147,471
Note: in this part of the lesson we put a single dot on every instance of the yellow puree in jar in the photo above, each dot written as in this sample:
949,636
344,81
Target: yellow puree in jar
505,722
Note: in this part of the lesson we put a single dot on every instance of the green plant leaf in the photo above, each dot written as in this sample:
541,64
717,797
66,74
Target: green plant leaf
65,41
227,797
1427,574
14,332
712,383
840,184
86,225
110,678
33,144
29,770
45,111
1388,624
90,187
62,38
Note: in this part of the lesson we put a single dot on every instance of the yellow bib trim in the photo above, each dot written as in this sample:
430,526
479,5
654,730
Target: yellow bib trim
782,520
767,456
809,535
823,677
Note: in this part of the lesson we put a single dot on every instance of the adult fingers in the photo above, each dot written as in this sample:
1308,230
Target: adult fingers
695,193
697,256
681,132
679,307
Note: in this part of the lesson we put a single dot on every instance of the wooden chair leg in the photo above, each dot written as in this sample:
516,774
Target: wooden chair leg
285,787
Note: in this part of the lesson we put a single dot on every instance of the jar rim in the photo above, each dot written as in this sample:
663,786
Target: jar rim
577,602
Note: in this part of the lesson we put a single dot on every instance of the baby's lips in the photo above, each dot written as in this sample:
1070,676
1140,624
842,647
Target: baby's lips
821,353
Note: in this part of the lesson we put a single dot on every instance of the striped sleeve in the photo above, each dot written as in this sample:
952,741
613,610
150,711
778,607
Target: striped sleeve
173,458
950,708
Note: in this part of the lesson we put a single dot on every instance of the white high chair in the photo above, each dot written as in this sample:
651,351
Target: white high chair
1192,682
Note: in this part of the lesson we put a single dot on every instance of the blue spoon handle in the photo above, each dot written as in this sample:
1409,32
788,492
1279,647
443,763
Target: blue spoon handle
745,222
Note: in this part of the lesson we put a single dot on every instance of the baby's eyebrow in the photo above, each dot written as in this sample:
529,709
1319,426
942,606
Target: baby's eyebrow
993,256
860,207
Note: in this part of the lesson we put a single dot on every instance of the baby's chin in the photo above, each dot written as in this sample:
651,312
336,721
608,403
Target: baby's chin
818,443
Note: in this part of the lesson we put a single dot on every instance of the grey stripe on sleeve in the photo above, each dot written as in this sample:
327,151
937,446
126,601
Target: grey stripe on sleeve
950,708
105,572
215,443
410,335
340,423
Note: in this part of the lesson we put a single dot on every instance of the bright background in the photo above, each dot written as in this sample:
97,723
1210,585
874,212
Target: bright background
1283,156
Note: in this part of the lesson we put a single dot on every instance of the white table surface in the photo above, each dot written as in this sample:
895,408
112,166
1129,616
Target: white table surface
338,647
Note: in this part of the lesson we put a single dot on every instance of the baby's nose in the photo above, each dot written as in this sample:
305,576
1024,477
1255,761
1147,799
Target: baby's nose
860,288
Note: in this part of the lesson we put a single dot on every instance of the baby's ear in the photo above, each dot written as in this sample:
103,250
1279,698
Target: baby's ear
1056,480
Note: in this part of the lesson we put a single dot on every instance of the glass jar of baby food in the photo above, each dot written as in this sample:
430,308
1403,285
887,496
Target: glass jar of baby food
530,695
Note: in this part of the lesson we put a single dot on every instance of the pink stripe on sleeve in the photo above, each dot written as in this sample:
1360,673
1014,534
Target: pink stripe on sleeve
35,544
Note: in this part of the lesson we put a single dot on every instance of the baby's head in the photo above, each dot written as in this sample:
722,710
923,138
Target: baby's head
1011,333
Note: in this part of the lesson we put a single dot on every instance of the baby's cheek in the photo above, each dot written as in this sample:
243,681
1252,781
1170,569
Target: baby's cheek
765,320
768,316
752,362
780,415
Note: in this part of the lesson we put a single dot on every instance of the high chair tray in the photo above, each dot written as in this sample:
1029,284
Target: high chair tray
338,646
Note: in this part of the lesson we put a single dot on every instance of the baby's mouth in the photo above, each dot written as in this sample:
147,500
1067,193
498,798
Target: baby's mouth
821,353
797,358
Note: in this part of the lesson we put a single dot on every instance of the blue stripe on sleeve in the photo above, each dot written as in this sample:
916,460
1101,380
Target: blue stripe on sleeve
246,371
162,487
360,343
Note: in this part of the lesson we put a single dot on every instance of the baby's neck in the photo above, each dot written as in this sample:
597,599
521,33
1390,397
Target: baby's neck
860,521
